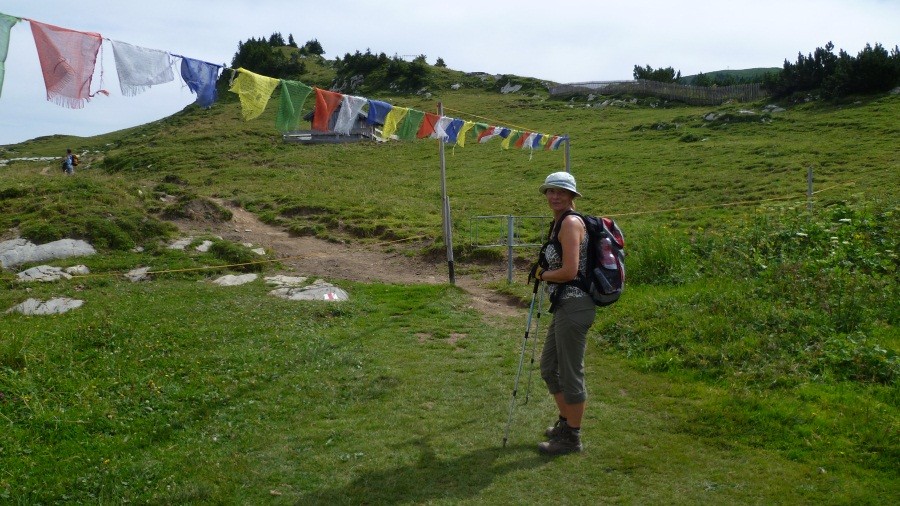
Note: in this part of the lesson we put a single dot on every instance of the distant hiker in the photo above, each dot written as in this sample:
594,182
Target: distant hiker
562,359
69,163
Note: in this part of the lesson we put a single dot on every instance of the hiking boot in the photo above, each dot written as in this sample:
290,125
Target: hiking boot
568,441
556,429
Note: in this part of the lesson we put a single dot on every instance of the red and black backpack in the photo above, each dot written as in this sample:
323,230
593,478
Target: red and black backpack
604,280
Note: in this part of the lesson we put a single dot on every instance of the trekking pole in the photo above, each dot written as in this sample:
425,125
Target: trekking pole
512,402
534,345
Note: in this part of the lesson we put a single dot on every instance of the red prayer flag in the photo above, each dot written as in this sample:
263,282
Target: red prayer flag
428,125
550,142
326,103
521,140
67,61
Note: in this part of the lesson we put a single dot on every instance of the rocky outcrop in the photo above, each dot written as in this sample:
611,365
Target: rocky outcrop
22,251
53,306
320,290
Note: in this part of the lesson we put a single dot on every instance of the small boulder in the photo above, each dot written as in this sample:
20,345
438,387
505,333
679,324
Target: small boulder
233,280
281,280
53,306
78,270
139,274
320,290
182,243
21,251
43,273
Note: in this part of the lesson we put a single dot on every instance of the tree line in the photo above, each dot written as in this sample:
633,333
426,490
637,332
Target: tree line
267,57
382,72
872,70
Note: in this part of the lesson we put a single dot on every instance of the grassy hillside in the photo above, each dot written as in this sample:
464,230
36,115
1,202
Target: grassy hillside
754,357
643,158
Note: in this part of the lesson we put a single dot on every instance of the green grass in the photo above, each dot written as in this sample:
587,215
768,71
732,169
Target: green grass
752,359
398,396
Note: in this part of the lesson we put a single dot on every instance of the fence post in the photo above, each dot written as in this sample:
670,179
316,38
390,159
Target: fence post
809,188
510,237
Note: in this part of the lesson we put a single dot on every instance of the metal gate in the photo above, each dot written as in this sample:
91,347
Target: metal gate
509,231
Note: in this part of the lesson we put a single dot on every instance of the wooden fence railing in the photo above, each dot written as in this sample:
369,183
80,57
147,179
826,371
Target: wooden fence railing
694,95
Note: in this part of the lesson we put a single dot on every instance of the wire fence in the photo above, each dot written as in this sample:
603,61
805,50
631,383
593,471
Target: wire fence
510,232
694,95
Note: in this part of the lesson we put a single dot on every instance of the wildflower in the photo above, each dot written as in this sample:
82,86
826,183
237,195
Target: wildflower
801,234
845,220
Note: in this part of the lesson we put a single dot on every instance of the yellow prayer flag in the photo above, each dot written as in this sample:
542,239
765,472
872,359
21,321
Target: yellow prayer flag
254,91
392,121
463,130
509,138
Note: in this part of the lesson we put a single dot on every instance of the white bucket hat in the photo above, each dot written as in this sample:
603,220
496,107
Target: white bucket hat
561,180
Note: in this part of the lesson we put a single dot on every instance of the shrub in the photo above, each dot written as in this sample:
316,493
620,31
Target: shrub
660,259
236,255
106,233
42,231
783,298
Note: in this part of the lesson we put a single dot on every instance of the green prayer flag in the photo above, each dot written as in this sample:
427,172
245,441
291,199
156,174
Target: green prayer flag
293,96
410,125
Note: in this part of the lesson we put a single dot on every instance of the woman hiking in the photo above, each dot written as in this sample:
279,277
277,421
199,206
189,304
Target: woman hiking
562,358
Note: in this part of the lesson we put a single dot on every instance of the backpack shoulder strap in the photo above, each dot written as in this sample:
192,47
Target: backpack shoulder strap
555,226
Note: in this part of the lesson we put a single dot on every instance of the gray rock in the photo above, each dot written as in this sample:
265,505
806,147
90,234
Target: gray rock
204,246
319,290
282,281
43,273
510,88
181,243
233,280
139,274
52,306
21,251
78,270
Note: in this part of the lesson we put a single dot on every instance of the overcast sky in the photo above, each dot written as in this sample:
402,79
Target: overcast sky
557,41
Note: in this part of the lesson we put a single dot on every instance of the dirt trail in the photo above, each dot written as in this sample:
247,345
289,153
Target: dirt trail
315,257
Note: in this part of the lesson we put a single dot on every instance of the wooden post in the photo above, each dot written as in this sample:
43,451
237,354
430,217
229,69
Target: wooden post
809,188
445,209
510,238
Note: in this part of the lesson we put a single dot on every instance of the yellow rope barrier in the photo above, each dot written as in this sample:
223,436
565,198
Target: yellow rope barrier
489,120
744,202
385,243
211,267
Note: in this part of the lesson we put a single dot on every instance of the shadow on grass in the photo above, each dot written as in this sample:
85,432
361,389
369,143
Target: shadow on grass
431,478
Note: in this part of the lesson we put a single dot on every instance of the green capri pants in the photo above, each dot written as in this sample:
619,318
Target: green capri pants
562,359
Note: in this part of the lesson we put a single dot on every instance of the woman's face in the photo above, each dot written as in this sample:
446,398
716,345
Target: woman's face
559,200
